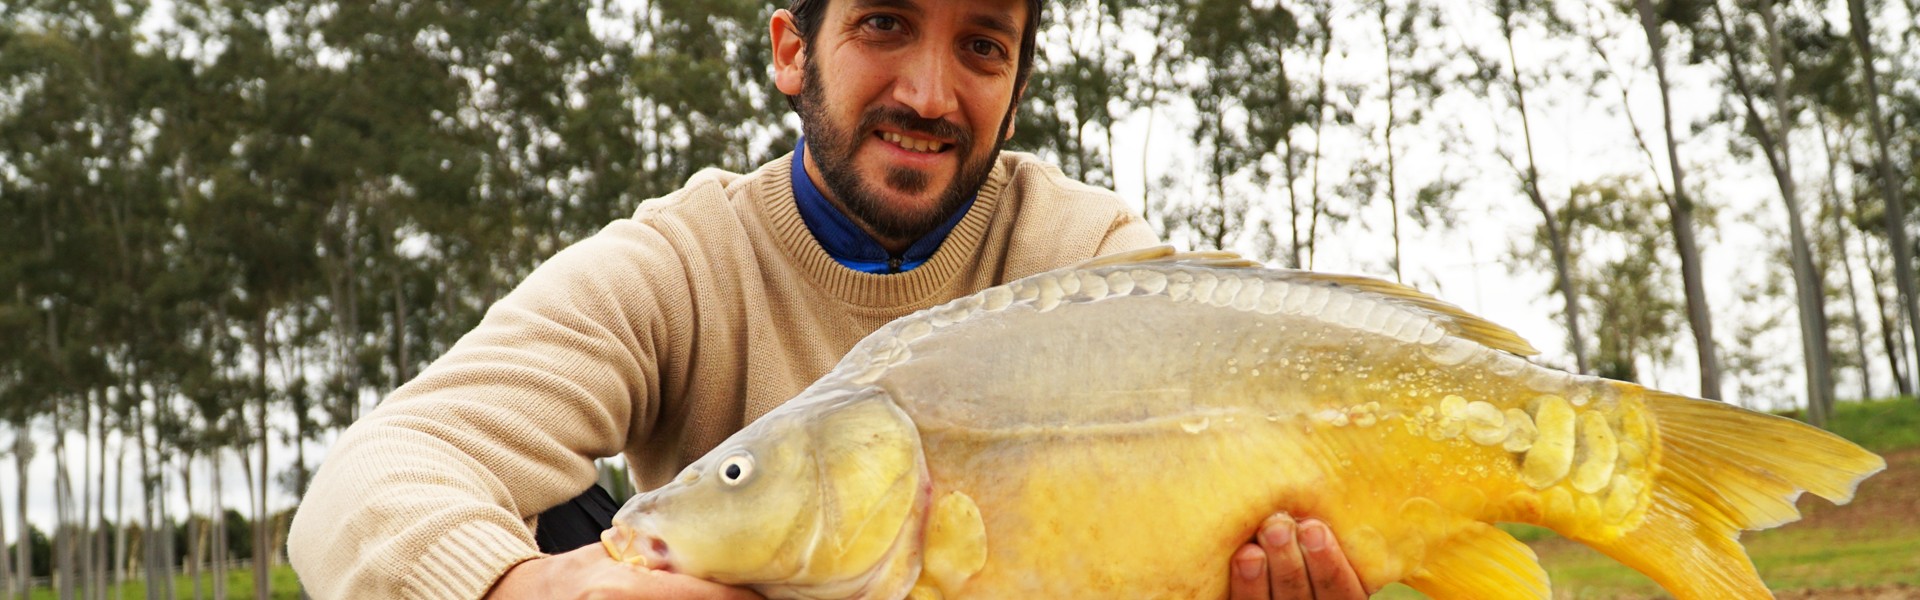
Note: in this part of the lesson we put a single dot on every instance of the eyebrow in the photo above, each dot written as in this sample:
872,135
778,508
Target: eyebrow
992,22
996,23
901,5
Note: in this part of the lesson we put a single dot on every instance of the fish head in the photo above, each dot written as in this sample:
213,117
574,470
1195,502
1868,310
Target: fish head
825,495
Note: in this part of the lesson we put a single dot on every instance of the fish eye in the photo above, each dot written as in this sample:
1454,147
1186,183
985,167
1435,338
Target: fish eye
736,469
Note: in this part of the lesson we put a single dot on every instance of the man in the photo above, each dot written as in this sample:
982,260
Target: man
666,332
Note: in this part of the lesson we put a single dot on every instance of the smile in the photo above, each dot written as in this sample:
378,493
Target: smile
914,144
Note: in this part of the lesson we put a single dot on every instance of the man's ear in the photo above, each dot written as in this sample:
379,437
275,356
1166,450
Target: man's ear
789,53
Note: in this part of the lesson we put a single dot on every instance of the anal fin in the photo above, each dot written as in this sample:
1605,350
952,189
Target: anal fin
1479,561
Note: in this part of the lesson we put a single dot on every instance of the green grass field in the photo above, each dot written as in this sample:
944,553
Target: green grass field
239,585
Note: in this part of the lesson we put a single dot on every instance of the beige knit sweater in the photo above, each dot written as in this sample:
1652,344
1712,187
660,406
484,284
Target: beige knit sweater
655,338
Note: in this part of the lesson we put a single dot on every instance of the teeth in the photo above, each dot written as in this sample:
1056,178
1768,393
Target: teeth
913,144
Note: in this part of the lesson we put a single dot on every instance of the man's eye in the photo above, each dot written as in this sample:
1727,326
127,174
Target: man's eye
985,48
883,23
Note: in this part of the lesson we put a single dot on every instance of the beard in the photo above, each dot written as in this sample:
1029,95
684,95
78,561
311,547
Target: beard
833,146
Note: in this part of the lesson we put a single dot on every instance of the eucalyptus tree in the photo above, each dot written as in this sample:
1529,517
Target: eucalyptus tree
1327,113
1619,246
1412,82
1510,84
1654,18
1774,87
1076,90
1152,82
1894,212
1836,106
1241,90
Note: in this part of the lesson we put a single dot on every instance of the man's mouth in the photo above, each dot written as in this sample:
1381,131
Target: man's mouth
914,144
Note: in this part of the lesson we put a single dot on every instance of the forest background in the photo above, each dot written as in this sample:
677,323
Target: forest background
230,227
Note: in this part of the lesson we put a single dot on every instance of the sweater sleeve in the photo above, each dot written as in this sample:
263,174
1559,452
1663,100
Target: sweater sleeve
430,494
1128,232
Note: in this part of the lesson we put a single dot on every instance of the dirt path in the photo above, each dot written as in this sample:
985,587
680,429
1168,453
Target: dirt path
1889,499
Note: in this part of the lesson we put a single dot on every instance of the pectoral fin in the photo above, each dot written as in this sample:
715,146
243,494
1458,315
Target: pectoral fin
955,547
1480,561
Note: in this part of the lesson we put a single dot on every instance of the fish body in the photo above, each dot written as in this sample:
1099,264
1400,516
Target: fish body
1119,428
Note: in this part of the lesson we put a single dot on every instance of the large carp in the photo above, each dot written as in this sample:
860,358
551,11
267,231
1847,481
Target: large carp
1117,429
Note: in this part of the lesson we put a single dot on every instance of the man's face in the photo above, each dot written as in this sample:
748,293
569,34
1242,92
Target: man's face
905,104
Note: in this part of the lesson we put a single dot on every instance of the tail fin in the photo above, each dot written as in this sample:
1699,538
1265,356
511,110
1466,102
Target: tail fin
1721,470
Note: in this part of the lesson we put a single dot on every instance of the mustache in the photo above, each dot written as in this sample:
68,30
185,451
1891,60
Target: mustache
907,121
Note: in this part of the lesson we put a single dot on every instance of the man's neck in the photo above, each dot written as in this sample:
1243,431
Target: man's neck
892,245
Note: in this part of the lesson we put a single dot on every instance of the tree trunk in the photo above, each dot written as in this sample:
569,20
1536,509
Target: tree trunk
1889,329
156,568
1776,146
120,515
262,543
1393,187
1836,209
1680,205
6,555
63,576
1808,282
1319,134
220,556
1556,239
22,454
1896,212
194,528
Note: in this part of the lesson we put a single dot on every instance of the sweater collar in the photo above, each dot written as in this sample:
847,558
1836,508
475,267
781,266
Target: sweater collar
777,203
845,241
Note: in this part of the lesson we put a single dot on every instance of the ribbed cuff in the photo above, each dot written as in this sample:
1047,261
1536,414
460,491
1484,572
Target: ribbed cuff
466,563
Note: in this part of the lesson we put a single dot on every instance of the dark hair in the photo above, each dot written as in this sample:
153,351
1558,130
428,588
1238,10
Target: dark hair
807,14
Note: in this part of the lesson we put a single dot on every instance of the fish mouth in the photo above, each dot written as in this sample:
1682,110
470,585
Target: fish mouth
637,547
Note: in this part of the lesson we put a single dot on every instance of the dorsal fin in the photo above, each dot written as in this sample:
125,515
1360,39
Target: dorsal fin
1453,319
1166,255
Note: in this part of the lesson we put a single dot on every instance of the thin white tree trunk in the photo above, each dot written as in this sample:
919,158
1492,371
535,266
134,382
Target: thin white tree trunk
6,556
22,455
219,527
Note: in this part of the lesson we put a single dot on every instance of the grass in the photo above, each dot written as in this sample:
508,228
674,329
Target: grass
1879,425
239,586
1788,559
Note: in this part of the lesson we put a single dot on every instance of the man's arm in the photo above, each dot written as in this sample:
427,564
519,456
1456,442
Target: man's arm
430,494
588,572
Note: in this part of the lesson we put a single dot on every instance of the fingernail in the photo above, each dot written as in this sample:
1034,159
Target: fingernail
1247,568
1313,536
1277,535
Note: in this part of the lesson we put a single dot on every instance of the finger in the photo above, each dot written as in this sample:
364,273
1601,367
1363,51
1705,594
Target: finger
1286,570
1247,574
1333,577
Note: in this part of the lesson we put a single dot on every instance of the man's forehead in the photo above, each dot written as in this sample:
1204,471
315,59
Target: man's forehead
1000,16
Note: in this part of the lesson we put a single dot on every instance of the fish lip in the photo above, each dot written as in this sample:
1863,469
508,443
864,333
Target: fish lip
638,546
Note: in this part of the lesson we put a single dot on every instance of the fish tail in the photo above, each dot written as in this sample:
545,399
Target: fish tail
1721,470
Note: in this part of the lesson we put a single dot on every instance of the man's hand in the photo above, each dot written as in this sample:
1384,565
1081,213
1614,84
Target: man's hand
587,572
1293,562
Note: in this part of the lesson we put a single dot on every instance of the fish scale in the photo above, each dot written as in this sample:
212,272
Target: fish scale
1119,429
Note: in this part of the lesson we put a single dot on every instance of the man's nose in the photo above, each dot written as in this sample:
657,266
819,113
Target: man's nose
926,86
